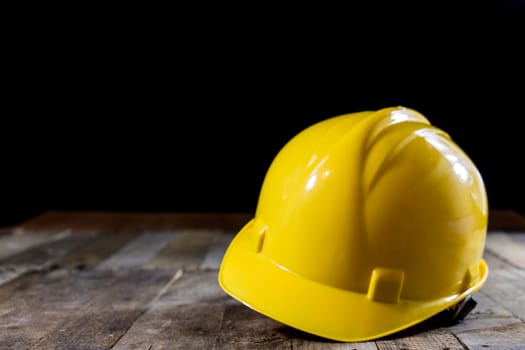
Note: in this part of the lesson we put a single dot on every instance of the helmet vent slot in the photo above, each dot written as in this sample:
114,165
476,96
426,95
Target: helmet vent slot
260,240
386,285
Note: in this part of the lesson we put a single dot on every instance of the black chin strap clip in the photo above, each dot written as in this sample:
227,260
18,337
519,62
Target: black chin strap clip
458,312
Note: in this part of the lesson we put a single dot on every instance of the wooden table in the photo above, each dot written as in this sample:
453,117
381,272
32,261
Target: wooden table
95,280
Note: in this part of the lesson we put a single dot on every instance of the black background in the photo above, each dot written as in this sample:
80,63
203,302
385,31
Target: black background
183,109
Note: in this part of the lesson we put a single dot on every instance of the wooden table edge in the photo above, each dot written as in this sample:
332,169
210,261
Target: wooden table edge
499,219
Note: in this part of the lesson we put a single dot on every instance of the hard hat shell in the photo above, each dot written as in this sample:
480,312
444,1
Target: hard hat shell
366,223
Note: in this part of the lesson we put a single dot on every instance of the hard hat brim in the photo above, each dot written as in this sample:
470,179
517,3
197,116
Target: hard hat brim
337,314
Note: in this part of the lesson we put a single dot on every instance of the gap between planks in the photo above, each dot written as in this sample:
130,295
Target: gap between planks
77,301
224,323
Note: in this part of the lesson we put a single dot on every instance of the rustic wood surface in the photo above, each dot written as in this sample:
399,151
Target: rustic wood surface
149,281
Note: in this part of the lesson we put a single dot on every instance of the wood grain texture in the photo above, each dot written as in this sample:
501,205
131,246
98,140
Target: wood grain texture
505,337
137,252
506,285
188,315
34,312
488,313
508,247
149,281
309,344
185,251
40,256
438,339
213,258
92,252
83,221
109,312
11,244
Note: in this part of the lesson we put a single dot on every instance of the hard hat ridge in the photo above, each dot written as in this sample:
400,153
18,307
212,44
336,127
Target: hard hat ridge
376,212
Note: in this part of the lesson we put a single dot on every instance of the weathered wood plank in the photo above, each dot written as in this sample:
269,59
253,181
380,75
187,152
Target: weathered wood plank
507,247
94,251
135,298
35,310
86,221
213,258
243,328
491,319
187,315
506,337
11,244
437,339
487,313
186,326
185,251
193,287
501,305
109,313
137,252
302,344
87,255
505,285
39,257
80,222
19,284
519,236
493,262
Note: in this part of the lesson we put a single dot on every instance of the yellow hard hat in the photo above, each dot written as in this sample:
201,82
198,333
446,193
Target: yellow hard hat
366,224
